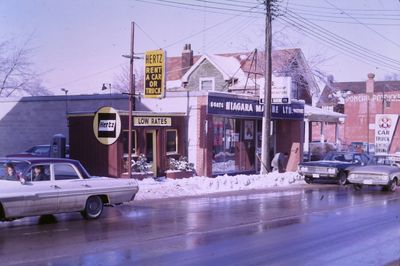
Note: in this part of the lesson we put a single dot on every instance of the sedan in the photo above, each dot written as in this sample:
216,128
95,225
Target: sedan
384,172
39,186
38,151
334,167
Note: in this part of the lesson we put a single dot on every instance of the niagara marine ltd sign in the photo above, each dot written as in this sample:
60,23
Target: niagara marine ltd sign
232,106
154,74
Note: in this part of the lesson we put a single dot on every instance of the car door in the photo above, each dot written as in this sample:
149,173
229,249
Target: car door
41,197
73,189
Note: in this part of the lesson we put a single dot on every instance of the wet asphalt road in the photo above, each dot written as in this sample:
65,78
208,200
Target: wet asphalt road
308,225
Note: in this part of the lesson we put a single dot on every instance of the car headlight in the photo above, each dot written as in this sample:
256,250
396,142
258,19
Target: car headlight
303,168
331,170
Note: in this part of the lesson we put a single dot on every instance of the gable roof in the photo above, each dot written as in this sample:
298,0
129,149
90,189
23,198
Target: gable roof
228,66
286,62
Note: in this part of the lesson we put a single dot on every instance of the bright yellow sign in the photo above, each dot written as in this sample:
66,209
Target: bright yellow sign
154,74
152,121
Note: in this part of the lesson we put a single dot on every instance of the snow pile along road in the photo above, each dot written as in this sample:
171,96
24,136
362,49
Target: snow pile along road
200,185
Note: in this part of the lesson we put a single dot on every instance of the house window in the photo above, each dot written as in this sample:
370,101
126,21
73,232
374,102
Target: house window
207,84
172,141
125,137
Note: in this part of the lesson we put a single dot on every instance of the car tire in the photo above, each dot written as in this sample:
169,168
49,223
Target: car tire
342,179
93,208
392,185
357,187
308,180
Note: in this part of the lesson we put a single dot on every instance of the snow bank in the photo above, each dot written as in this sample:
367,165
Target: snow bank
200,185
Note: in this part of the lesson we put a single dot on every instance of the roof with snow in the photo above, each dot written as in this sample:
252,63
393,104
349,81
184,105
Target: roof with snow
354,87
315,114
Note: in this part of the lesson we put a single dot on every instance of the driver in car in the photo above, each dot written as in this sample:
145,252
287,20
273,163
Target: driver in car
38,173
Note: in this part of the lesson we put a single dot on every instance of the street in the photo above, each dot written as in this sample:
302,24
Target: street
299,225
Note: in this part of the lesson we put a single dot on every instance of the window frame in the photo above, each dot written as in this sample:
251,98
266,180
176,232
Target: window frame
176,141
212,79
134,142
53,171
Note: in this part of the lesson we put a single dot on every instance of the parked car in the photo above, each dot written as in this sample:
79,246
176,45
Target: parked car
385,172
67,187
38,151
334,166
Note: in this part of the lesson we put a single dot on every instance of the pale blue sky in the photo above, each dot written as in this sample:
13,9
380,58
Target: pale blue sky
78,44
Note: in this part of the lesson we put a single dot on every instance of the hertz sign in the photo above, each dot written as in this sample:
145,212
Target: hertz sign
154,71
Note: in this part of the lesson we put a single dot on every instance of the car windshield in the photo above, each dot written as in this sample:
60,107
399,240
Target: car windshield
344,157
387,160
10,170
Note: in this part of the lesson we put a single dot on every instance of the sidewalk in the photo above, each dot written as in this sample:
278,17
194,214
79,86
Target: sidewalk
200,185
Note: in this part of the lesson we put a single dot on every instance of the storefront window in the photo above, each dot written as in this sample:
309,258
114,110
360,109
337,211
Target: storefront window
233,145
224,145
126,144
172,141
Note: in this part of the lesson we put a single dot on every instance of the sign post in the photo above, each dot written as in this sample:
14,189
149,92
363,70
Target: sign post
154,71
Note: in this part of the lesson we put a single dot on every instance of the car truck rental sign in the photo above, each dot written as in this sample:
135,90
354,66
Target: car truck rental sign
107,125
154,74
385,125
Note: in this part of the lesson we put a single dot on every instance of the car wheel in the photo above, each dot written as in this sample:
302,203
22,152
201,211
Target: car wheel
342,179
93,208
308,180
392,185
357,186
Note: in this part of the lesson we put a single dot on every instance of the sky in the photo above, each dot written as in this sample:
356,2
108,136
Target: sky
78,44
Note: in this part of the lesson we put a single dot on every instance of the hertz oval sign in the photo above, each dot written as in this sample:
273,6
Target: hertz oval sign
107,125
154,71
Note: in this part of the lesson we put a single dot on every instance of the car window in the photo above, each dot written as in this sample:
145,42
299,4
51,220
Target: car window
41,151
19,168
35,175
339,157
65,172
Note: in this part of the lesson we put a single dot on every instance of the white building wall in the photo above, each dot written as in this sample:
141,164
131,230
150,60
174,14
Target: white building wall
182,102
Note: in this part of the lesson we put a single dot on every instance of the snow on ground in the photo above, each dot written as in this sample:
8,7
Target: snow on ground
200,185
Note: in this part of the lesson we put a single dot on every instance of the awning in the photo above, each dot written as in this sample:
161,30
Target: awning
316,114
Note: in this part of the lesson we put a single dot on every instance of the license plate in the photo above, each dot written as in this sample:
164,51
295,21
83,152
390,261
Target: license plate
367,182
315,175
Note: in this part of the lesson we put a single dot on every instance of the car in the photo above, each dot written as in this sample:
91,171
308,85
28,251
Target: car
384,172
42,150
67,188
334,167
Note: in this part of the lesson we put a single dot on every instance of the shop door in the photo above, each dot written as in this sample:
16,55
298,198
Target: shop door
151,150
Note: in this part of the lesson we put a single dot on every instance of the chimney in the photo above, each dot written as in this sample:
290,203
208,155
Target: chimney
187,58
370,83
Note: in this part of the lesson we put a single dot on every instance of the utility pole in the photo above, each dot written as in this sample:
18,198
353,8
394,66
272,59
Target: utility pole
131,97
266,121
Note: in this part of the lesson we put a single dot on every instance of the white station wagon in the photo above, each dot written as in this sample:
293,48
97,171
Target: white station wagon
39,186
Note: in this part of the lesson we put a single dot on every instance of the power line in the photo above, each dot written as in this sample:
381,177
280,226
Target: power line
350,50
380,34
348,9
326,32
148,36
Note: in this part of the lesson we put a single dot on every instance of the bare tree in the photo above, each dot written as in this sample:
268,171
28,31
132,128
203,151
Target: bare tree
17,77
121,80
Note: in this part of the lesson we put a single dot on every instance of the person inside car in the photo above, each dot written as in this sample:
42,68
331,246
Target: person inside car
39,174
11,174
